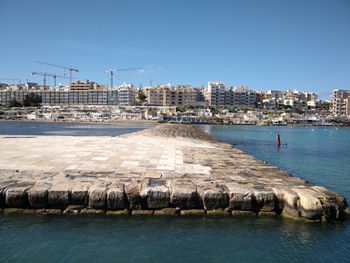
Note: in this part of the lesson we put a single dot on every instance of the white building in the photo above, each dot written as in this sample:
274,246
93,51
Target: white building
126,94
216,93
341,102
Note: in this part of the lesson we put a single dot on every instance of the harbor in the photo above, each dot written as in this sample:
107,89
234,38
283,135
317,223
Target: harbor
168,169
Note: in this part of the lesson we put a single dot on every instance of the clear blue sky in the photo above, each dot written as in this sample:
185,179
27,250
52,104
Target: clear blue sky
275,44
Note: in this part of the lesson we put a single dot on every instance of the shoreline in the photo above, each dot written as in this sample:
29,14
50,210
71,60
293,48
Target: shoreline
122,122
154,122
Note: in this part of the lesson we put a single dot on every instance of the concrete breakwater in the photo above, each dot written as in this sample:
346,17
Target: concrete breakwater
168,169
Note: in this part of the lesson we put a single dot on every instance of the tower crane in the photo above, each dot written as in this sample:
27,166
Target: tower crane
112,71
19,80
59,66
45,74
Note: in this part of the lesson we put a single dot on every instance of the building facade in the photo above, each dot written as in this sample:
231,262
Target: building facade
84,85
167,95
126,94
71,97
340,102
216,93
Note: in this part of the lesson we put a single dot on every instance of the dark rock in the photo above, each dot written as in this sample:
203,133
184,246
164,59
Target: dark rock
59,194
38,195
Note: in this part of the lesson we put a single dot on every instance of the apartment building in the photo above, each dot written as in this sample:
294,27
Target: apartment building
167,95
80,93
84,85
71,97
347,106
340,102
126,94
185,95
243,97
216,93
200,96
156,96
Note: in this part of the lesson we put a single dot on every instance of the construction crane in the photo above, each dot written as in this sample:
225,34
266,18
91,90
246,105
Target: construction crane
64,67
49,75
19,80
112,71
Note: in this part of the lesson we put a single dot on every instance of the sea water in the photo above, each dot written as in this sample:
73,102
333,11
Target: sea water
316,154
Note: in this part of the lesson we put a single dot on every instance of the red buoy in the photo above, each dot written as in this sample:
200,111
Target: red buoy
278,140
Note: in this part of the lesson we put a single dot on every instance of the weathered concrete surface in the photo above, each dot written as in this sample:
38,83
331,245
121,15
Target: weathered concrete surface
16,195
38,195
169,169
59,194
116,198
98,195
156,193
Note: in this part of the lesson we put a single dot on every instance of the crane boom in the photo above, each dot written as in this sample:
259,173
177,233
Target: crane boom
112,71
127,69
45,74
60,66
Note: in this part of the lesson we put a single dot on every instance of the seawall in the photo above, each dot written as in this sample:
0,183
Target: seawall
168,169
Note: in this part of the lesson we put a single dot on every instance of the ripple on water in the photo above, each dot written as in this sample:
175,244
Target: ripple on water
170,239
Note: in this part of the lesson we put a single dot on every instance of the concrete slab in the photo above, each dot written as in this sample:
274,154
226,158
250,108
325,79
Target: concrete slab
168,166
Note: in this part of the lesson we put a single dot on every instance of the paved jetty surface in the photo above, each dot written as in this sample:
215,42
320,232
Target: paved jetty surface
168,169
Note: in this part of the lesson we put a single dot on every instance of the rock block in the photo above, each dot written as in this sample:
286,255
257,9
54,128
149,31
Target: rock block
38,195
167,211
240,197
12,210
334,205
265,200
267,213
98,195
193,212
213,197
50,211
184,194
16,195
156,193
3,187
118,213
218,212
59,194
116,198
92,211
73,209
288,201
243,213
80,193
142,212
132,191
310,206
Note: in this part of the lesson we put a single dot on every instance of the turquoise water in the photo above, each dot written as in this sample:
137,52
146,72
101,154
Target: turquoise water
320,155
158,239
316,154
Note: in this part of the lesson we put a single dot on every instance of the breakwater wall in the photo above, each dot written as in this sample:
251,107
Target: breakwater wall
169,169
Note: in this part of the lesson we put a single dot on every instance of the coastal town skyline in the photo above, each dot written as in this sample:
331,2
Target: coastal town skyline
175,131
242,47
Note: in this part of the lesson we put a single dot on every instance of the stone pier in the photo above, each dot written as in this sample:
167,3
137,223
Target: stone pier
165,170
